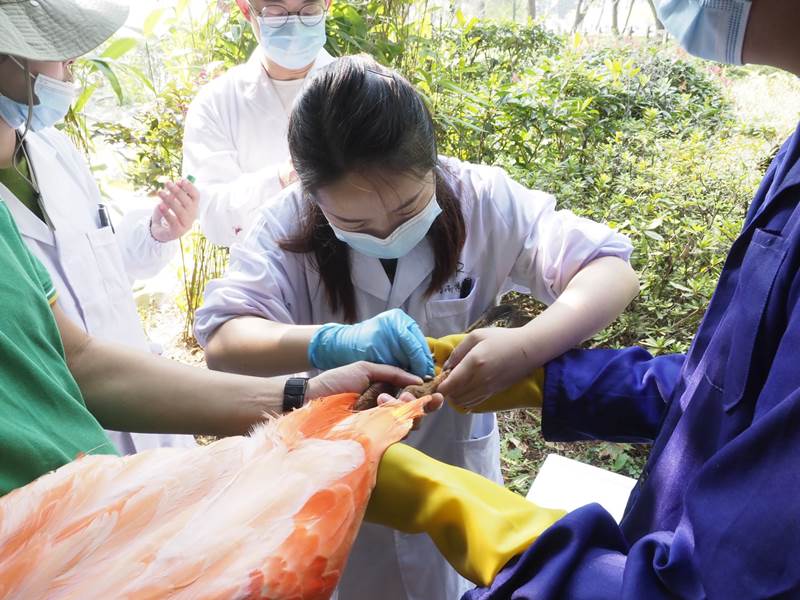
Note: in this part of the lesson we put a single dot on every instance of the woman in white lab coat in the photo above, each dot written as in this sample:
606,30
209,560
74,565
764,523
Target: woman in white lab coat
235,136
55,201
380,223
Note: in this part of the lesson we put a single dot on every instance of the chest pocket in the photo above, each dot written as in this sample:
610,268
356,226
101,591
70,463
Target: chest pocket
454,315
108,262
735,339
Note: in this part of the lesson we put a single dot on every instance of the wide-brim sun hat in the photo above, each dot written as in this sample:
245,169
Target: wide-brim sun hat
57,30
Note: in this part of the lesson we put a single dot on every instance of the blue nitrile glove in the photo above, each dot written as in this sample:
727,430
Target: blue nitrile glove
390,338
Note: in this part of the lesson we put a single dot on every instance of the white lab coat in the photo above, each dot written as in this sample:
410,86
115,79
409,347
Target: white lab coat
88,263
515,236
234,145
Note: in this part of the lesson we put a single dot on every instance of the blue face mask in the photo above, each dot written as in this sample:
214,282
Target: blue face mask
54,96
292,45
401,241
711,29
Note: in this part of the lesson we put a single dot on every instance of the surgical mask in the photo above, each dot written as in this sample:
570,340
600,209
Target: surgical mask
292,45
55,97
401,241
710,29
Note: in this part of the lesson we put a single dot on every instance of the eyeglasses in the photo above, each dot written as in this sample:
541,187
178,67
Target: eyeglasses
277,16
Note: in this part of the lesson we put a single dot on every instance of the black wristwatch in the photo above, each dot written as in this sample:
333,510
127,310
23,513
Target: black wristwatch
294,393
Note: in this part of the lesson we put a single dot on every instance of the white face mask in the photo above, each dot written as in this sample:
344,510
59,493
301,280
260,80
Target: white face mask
400,242
710,29
292,45
55,97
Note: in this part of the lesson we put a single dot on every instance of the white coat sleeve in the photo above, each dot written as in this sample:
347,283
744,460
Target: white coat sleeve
551,245
144,257
229,198
262,280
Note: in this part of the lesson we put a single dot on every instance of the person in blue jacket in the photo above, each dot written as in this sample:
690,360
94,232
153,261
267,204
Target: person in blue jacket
716,512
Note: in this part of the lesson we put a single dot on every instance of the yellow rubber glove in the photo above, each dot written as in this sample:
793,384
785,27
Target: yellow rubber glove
477,525
526,393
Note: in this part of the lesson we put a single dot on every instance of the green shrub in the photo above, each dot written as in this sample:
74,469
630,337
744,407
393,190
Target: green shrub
152,143
627,135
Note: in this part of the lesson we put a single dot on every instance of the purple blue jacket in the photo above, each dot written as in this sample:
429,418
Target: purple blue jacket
716,512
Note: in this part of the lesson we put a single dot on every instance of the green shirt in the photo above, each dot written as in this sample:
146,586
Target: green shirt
44,422
18,183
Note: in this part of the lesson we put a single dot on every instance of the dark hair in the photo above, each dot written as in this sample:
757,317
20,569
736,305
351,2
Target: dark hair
357,116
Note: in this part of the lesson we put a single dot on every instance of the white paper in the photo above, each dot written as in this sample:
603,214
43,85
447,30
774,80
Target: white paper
569,484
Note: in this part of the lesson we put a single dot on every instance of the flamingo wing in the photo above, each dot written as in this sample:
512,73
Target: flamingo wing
269,515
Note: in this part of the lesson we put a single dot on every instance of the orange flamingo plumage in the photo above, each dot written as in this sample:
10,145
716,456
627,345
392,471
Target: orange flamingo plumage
270,515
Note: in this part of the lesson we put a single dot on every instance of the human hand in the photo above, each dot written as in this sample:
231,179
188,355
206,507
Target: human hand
356,378
176,212
360,376
486,362
286,174
391,338
434,404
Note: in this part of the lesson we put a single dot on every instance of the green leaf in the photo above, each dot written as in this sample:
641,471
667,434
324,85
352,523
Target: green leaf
152,21
621,460
103,66
655,223
653,235
119,47
680,287
84,98
138,74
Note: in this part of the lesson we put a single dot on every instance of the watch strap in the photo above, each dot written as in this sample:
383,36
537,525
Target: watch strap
294,393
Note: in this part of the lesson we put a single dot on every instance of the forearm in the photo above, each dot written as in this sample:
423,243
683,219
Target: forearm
771,30
152,394
256,346
158,395
596,296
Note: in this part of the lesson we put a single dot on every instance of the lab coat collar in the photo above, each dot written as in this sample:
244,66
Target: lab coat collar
52,167
368,275
29,224
42,156
254,70
412,270
256,83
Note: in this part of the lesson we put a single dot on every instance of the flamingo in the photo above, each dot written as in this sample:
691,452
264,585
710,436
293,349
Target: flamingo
269,515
